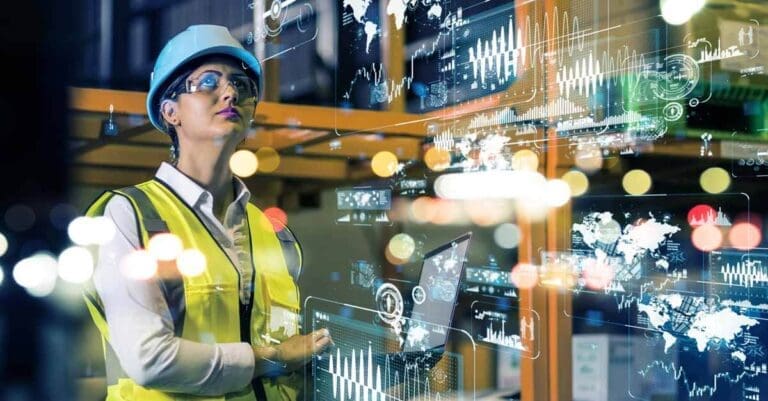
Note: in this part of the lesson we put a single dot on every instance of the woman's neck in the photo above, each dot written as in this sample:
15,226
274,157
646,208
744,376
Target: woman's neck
210,169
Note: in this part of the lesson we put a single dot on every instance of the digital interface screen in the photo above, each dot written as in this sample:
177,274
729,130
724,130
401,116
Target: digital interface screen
440,277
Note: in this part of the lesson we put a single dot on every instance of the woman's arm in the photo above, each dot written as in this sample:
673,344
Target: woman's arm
142,332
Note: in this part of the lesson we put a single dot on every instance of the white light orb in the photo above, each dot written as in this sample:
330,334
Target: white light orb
165,246
75,265
556,193
138,265
191,262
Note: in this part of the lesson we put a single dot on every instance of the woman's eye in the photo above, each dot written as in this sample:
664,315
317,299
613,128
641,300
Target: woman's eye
209,81
240,84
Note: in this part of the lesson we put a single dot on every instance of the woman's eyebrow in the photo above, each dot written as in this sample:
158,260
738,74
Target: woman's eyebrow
235,73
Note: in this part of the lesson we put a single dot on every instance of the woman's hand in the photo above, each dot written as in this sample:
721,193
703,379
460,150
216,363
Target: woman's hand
297,350
291,354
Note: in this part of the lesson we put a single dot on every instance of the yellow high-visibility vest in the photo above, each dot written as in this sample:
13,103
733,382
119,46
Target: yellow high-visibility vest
212,311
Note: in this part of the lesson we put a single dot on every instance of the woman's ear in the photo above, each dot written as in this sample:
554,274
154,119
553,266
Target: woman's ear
168,111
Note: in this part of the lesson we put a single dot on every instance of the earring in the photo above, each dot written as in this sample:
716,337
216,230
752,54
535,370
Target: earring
252,123
173,154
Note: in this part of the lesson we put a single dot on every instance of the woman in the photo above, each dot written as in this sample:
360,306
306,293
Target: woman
229,332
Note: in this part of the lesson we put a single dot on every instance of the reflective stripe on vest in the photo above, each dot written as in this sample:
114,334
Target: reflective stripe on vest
207,308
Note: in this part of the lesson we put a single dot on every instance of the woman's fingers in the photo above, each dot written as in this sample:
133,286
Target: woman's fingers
322,339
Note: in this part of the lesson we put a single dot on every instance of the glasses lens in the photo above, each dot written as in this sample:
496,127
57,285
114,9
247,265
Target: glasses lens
246,88
207,82
211,81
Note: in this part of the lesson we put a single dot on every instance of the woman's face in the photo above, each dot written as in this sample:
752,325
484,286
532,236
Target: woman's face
214,110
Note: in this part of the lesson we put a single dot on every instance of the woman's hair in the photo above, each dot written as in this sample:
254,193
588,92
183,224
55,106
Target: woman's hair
171,93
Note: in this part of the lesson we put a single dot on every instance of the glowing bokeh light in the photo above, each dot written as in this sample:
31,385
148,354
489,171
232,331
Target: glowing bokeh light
384,164
589,160
243,163
75,265
556,193
526,160
447,212
3,244
707,237
268,160
191,262
20,217
700,214
165,246
392,258
80,231
507,236
744,236
488,212
678,12
138,265
421,210
37,274
636,182
277,217
401,246
494,184
104,230
597,275
715,180
61,214
524,276
437,159
577,181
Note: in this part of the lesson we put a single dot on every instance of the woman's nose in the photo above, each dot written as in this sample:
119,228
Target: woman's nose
229,92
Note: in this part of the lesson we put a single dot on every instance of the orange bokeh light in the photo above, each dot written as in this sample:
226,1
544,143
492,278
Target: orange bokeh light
524,276
422,209
277,217
707,237
597,275
744,236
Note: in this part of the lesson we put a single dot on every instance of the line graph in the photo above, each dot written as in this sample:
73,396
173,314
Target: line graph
555,108
696,389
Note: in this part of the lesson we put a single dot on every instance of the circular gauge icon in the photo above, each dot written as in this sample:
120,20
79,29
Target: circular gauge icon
672,111
679,77
389,302
419,295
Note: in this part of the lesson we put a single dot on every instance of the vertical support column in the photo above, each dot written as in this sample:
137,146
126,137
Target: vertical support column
271,66
560,328
533,372
393,57
121,20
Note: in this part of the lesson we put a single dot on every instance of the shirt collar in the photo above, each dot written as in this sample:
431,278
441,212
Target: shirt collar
191,192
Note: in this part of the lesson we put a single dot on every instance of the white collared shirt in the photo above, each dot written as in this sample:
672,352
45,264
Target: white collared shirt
140,323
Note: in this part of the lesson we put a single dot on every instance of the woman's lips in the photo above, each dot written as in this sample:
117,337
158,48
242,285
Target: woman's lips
229,113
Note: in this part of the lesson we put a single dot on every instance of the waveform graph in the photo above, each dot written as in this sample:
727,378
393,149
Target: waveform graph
748,273
505,328
368,361
739,277
584,77
365,376
496,59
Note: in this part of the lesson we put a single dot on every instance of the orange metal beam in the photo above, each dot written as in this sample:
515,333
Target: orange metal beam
342,121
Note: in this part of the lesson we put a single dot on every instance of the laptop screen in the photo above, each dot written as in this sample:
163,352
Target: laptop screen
434,299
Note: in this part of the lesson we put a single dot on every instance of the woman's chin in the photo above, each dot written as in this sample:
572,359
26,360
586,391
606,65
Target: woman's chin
232,132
